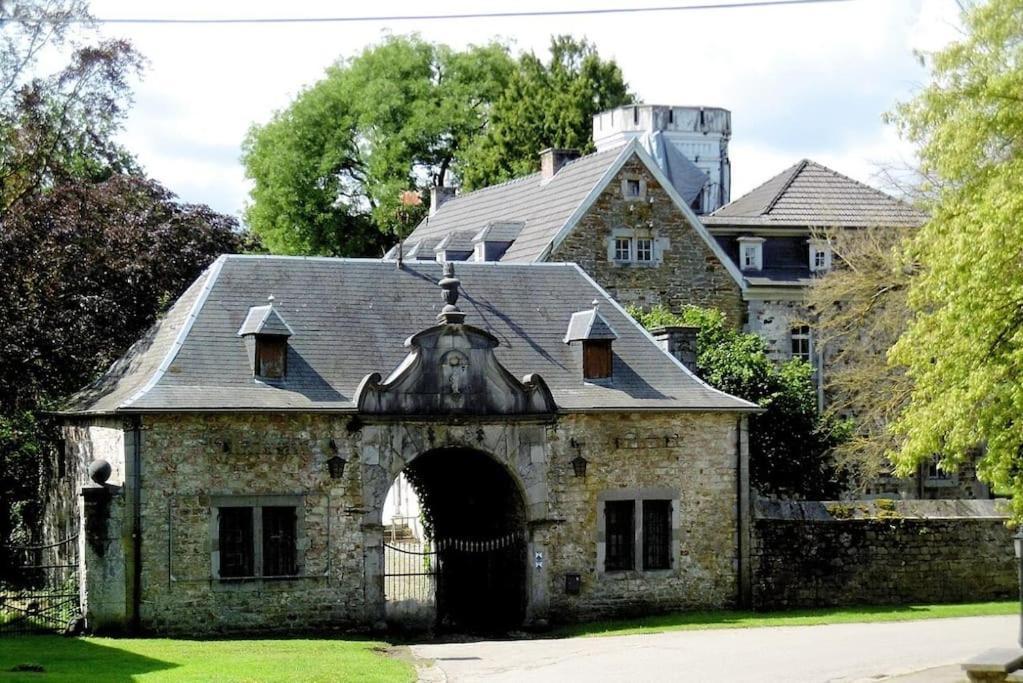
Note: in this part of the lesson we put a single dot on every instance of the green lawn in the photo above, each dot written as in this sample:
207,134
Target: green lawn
158,659
684,621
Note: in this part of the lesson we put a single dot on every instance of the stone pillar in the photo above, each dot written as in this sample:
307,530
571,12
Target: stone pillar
679,341
102,576
745,515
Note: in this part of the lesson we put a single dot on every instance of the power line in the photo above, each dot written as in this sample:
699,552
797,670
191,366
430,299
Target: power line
469,15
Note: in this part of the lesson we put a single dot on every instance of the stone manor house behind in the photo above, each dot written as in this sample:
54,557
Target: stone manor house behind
648,217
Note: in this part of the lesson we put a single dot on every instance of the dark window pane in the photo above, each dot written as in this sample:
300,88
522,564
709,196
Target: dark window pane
236,542
279,558
656,534
271,357
619,534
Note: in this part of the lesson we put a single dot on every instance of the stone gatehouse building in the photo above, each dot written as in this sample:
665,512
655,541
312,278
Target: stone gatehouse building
231,469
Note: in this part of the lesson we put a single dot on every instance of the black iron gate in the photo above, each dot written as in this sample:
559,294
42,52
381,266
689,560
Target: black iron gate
39,587
434,581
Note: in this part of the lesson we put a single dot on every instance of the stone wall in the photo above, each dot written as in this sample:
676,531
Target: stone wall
881,552
686,270
694,455
772,321
191,461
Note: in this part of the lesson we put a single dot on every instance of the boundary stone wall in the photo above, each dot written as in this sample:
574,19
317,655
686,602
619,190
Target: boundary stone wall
827,554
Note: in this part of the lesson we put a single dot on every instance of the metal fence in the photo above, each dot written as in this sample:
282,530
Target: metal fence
39,587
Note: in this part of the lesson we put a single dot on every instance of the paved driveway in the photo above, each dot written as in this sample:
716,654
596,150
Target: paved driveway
842,652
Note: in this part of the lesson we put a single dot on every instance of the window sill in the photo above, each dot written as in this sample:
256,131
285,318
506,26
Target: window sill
251,583
635,264
626,574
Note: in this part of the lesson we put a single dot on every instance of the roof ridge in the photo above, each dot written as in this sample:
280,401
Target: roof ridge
212,274
770,180
863,185
503,183
796,170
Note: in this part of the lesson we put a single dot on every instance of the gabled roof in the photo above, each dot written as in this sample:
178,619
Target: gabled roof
547,210
349,317
808,194
589,325
542,208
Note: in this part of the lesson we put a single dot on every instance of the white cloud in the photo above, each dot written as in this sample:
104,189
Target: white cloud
805,81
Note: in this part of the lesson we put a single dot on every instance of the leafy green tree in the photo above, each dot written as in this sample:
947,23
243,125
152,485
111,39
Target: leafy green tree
545,105
964,347
329,170
91,250
790,442
860,311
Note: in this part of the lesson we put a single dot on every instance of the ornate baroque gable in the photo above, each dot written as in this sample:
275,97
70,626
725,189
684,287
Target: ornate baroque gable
452,369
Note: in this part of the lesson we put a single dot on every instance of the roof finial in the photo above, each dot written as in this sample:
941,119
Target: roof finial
450,314
596,304
270,299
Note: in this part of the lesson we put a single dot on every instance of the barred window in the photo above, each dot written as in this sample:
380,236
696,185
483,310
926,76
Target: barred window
656,534
279,541
619,525
644,250
237,551
257,541
632,188
623,249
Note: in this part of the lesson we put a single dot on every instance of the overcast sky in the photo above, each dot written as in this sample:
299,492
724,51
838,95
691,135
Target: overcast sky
807,81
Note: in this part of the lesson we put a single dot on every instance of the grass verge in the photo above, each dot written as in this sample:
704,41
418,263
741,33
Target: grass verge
161,659
685,621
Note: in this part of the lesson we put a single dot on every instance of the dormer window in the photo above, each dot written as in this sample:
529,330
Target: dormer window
593,335
271,357
820,256
266,336
751,253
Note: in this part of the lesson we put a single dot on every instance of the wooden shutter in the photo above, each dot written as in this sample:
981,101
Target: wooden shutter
597,359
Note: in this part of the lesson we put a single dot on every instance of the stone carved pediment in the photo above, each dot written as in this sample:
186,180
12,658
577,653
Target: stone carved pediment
452,369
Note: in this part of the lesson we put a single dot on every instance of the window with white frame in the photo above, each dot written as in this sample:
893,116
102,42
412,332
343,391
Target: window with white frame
751,253
820,257
623,249
801,343
644,249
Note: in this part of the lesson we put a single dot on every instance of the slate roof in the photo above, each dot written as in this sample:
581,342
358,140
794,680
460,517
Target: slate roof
349,317
808,194
542,208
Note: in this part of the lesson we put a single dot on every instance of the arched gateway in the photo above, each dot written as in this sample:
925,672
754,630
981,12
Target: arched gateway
463,456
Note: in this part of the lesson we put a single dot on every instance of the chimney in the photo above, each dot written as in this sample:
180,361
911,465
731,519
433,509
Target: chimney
439,195
679,341
551,160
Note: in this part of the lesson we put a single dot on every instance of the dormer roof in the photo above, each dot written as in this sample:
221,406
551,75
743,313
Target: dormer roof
265,320
589,325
